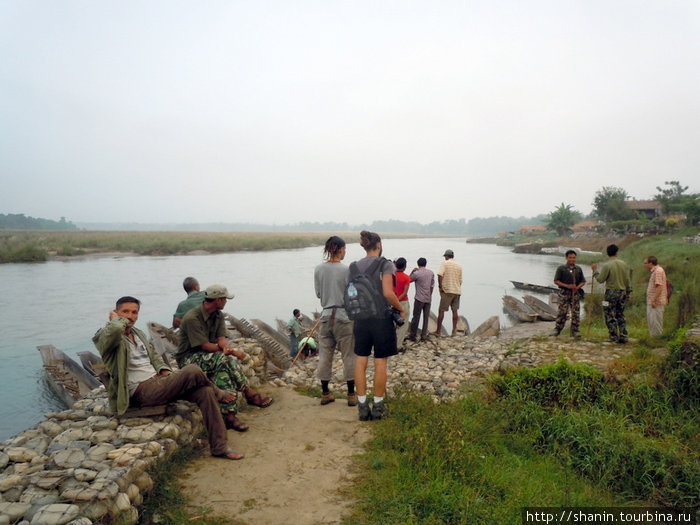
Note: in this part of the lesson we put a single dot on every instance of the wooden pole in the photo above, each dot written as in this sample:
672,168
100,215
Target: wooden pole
318,321
590,313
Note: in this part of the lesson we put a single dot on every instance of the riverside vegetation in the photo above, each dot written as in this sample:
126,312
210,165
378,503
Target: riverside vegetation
36,246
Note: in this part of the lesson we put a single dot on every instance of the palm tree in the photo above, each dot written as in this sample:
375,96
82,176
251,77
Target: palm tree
563,218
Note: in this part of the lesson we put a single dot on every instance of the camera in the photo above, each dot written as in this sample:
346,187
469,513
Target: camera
396,317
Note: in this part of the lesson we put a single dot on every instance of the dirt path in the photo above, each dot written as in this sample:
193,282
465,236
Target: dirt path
298,455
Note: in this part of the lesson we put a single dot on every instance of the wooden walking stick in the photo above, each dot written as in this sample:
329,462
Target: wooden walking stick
318,321
590,313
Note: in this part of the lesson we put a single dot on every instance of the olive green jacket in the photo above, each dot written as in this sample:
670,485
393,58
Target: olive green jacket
113,346
616,275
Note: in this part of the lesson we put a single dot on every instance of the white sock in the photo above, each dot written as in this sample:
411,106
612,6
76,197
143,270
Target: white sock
378,399
362,399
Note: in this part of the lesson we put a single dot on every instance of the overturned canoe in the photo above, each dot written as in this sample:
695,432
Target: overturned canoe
489,328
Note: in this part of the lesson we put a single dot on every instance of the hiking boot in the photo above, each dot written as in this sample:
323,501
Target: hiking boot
363,410
327,398
352,400
379,410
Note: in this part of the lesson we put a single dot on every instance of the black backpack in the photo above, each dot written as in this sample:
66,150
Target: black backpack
364,298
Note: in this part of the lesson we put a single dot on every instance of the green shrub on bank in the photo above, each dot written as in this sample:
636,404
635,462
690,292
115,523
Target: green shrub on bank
638,438
457,463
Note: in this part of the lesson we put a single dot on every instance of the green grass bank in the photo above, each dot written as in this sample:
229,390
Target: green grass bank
37,246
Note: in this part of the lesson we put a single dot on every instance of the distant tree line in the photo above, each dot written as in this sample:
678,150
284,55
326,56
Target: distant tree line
19,221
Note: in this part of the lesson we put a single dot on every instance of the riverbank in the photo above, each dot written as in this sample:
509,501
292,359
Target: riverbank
37,246
301,457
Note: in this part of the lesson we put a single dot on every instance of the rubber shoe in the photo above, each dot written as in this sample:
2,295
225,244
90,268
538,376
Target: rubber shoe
379,410
327,398
555,333
352,400
363,410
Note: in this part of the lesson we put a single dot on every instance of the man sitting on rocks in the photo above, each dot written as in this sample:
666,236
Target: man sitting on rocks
140,377
203,343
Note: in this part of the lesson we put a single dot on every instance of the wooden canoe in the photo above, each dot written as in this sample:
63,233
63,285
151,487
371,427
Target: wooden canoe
537,288
69,380
544,311
518,310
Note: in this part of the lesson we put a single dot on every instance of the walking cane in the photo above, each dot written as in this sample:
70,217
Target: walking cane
590,314
305,341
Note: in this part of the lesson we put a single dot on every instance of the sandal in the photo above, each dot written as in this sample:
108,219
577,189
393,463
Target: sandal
230,454
259,401
227,397
233,423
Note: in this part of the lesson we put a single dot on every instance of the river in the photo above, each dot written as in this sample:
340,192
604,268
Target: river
64,302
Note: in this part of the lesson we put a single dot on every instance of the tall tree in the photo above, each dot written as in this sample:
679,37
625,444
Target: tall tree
674,199
563,218
610,204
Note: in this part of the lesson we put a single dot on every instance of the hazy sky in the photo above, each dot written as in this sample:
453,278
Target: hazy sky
287,111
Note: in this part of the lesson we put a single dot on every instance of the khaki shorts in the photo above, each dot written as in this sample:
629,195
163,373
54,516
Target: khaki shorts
448,300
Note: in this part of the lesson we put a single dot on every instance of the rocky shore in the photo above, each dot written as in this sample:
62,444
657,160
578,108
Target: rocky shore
441,365
84,465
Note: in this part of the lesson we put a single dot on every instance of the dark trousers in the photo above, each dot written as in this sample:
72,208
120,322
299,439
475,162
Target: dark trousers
192,384
418,307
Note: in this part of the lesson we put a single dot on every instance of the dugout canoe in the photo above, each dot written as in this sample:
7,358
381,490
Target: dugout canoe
544,311
537,288
67,379
518,310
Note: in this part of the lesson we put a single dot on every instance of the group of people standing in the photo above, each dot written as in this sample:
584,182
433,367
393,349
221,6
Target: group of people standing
381,334
617,276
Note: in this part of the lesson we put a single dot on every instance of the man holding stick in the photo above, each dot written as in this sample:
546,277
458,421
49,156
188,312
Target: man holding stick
570,280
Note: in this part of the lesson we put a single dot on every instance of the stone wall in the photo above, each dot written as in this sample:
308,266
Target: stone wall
84,465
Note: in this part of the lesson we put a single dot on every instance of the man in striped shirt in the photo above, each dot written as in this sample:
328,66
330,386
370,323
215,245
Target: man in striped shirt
450,285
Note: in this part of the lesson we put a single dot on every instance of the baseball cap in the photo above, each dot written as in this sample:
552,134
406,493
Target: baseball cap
448,253
215,291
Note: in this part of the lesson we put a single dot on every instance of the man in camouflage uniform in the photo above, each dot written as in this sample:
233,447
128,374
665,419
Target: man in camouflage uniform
570,280
203,343
617,277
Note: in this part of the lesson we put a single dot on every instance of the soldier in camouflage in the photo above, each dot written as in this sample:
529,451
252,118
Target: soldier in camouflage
617,277
570,280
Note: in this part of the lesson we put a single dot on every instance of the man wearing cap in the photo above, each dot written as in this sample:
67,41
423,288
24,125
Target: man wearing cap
203,343
450,285
139,377
194,298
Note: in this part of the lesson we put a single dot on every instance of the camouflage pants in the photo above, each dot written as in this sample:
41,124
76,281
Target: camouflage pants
224,371
614,308
566,303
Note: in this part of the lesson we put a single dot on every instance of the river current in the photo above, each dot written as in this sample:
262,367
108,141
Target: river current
64,302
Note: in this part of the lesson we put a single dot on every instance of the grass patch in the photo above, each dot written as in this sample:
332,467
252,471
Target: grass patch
457,463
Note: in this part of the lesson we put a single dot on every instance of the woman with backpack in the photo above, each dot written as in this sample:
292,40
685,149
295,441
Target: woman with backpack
335,331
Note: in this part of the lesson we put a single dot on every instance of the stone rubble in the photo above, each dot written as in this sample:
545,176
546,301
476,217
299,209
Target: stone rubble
441,365
83,465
